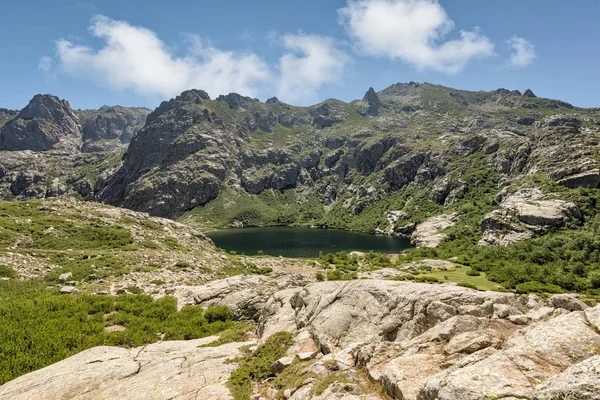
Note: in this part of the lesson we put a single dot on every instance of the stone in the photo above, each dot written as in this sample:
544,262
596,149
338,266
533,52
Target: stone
64,277
338,314
567,301
68,289
519,319
281,364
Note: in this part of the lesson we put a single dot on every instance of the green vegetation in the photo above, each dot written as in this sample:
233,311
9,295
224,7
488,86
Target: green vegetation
256,367
7,272
344,266
41,327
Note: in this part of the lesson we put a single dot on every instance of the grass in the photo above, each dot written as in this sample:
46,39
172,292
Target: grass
41,327
460,275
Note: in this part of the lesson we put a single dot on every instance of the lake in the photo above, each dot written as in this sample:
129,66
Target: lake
302,242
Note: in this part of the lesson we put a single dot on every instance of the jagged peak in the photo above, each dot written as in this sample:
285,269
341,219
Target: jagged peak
528,93
272,100
373,101
235,100
46,106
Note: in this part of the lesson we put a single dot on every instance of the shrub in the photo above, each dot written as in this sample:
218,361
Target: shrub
134,290
537,287
7,272
319,276
427,279
472,272
595,279
183,264
157,282
218,313
257,366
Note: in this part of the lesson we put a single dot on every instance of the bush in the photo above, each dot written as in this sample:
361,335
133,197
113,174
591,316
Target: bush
134,290
7,272
595,279
319,276
472,272
183,264
427,279
218,313
537,287
257,366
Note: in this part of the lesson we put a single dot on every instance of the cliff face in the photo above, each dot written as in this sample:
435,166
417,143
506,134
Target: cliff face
110,128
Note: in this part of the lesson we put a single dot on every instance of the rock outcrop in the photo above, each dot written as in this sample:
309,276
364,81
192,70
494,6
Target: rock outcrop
167,370
373,103
524,213
430,232
46,123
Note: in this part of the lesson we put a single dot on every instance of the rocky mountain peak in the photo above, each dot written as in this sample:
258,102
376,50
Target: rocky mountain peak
236,101
46,123
528,93
373,102
46,106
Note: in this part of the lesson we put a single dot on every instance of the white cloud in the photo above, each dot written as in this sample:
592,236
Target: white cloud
523,52
134,58
45,64
412,31
310,62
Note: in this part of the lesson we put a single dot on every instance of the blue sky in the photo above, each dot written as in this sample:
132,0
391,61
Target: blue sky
138,53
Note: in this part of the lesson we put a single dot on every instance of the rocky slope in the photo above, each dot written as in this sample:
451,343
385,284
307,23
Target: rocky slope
411,341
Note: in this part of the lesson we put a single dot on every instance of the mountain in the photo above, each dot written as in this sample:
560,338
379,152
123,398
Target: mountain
46,123
54,150
110,128
454,170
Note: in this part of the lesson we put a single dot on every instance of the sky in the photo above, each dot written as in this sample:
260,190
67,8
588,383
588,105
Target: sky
139,53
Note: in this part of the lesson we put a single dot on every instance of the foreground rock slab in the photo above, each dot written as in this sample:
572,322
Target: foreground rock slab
169,370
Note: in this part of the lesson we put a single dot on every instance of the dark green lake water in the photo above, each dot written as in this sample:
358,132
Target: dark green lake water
302,242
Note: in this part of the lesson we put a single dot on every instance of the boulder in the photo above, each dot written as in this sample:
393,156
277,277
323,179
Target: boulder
568,302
